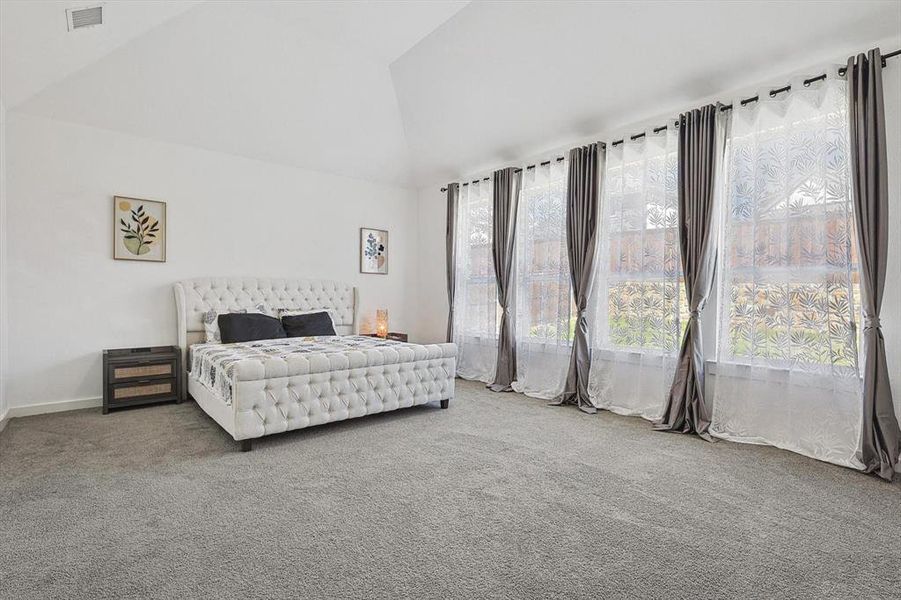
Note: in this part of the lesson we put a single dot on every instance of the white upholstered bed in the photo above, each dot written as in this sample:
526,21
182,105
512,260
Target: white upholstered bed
276,393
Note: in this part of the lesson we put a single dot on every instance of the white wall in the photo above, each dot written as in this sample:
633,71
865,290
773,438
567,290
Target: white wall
3,287
227,216
432,292
432,297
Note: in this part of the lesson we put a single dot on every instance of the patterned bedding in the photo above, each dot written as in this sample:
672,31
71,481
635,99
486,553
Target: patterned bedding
213,364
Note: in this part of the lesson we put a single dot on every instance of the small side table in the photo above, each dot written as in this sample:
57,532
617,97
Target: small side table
392,335
139,376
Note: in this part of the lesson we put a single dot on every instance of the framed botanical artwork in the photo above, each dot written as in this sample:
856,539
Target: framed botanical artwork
373,251
140,229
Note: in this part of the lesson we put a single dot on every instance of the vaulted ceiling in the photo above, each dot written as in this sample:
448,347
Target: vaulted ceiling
496,83
36,50
298,83
406,92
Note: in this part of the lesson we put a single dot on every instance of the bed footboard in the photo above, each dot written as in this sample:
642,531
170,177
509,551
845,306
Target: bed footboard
276,404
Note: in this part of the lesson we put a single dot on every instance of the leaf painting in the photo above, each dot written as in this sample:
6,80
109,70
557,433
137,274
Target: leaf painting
140,228
141,233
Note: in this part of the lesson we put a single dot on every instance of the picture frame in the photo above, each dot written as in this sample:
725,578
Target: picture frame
373,251
139,229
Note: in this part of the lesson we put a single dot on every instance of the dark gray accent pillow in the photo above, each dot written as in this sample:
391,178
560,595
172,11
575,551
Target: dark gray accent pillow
318,323
249,327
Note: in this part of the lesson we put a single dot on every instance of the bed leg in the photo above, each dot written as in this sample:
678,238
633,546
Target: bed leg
246,445
445,403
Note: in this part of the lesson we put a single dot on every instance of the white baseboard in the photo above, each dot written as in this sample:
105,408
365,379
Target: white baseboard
4,419
52,407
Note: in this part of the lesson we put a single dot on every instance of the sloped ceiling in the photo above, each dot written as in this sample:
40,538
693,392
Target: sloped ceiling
501,81
299,83
408,93
36,50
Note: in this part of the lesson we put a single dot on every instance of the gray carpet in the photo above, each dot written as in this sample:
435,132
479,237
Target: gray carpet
501,496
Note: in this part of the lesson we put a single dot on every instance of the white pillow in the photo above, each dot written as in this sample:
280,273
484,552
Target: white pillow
290,312
211,321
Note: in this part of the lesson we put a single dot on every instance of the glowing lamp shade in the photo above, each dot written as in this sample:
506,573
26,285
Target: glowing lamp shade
381,322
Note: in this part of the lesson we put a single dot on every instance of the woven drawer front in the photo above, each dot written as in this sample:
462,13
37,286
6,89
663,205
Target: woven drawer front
141,371
129,392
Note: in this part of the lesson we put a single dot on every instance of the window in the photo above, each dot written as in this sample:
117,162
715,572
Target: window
545,316
476,325
786,371
542,274
639,301
642,300
789,287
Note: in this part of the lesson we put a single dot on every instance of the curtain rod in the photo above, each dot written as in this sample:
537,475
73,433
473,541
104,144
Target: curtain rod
807,82
773,93
544,164
743,102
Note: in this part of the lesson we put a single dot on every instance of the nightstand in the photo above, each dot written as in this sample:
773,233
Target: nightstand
139,376
392,335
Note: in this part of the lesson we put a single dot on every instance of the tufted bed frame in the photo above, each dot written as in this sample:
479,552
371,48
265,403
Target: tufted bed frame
276,395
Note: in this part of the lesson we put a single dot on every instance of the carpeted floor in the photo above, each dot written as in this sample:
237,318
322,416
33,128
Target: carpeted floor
501,496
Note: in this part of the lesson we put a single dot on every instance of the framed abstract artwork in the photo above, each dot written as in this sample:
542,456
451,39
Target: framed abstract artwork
140,229
373,251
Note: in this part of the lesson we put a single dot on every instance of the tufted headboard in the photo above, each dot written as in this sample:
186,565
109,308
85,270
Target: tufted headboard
193,297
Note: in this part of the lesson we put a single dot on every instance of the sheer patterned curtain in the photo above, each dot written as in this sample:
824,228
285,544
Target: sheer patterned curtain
476,323
544,309
787,365
638,301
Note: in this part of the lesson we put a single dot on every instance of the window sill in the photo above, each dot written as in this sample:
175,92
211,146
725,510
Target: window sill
477,340
632,356
814,376
548,347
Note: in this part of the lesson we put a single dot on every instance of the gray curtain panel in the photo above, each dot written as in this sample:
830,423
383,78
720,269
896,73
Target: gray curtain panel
880,439
687,410
583,194
507,183
453,199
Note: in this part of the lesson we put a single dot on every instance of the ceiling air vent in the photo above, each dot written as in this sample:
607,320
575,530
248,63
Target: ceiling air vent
79,18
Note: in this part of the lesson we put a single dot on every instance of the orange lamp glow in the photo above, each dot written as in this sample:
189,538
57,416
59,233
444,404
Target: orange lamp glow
381,322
